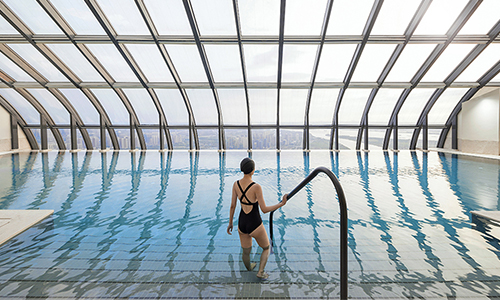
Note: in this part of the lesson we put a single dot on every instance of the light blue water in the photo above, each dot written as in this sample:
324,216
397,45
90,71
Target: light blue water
150,225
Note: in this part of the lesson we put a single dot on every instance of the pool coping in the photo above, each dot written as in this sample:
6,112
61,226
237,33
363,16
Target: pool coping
13,222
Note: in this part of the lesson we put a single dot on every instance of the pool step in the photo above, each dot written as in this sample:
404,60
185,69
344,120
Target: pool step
13,222
487,222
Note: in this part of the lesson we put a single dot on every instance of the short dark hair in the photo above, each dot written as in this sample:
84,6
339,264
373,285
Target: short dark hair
247,165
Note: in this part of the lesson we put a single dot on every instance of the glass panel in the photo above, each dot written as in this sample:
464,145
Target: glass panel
143,105
236,139
322,106
291,139
343,21
433,137
112,60
203,105
66,136
409,62
187,62
447,62
23,107
263,106
51,141
483,19
353,105
413,106
394,17
404,139
375,139
53,107
440,16
80,143
78,16
319,138
38,61
6,28
113,106
261,62
214,17
372,62
95,138
73,58
173,106
151,62
234,106
123,136
152,138
298,62
304,17
83,106
334,61
169,17
481,64
259,17
124,17
293,106
225,62
209,139
38,138
13,70
382,106
443,107
347,139
34,16
180,138
263,139
496,78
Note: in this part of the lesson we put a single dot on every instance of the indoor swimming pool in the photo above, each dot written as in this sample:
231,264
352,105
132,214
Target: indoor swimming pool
151,225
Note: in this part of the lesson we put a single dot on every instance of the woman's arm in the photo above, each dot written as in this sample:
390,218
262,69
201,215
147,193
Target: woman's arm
262,203
231,211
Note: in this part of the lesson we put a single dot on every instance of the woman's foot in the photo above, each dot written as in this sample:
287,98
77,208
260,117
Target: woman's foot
252,266
262,275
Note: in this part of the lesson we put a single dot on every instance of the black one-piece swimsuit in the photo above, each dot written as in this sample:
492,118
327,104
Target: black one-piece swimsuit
247,223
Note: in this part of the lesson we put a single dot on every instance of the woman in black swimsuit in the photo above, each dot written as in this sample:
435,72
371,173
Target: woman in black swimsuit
250,223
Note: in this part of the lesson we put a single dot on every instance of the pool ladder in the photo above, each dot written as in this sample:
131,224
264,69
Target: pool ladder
343,222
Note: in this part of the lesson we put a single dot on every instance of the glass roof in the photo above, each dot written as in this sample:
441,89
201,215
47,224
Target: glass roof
242,65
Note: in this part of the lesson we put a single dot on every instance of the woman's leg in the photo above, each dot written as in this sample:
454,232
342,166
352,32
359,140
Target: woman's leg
246,244
260,235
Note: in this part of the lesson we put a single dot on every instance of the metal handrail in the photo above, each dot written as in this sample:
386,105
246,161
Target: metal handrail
343,222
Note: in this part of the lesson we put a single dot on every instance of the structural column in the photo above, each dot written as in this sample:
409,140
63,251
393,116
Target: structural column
14,138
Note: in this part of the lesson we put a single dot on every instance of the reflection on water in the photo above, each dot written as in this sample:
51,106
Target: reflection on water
151,225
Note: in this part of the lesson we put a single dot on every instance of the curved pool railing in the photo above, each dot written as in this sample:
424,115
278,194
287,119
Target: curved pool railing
343,222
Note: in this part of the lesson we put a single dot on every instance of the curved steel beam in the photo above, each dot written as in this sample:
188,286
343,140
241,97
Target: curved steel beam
9,53
377,5
438,50
280,70
26,32
21,122
464,16
244,72
490,74
208,72
154,33
103,114
494,71
106,25
424,5
326,21
45,116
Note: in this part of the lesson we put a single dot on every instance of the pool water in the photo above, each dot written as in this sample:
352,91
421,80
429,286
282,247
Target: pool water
152,225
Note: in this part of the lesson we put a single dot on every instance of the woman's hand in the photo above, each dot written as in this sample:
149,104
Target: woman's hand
284,200
230,229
